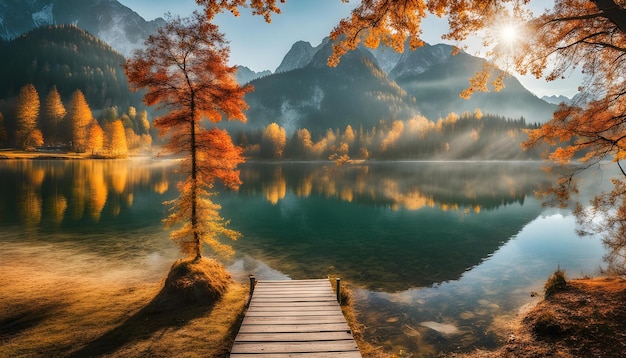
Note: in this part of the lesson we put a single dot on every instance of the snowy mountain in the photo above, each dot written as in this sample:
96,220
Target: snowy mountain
108,20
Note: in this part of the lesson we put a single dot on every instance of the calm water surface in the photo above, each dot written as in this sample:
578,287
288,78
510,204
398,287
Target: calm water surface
440,255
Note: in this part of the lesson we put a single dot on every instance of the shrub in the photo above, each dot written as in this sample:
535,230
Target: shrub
195,282
555,283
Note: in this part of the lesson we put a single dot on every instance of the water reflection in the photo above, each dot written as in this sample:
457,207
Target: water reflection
477,309
457,186
442,254
383,226
54,193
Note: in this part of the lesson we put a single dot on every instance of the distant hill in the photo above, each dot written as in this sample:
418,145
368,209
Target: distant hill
554,99
69,58
108,20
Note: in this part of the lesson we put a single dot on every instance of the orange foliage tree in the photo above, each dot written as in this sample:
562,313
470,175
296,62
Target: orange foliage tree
54,112
95,143
80,116
28,136
184,69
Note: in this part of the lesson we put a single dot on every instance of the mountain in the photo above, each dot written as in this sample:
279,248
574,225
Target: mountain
319,97
245,75
299,55
108,20
437,85
69,58
422,59
373,85
554,99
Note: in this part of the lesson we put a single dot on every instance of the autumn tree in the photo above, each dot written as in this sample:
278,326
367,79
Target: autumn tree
53,114
144,123
116,139
79,115
274,141
28,136
184,69
95,143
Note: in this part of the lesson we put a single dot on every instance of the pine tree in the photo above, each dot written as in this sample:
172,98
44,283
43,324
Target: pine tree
117,146
79,115
96,138
28,136
53,112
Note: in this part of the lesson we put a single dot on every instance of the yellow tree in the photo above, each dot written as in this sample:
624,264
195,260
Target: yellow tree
53,113
116,138
184,68
95,143
28,136
273,141
79,115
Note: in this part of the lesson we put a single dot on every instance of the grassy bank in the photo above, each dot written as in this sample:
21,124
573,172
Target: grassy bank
53,305
585,318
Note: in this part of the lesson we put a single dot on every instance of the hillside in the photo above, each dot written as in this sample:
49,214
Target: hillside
373,85
69,58
108,20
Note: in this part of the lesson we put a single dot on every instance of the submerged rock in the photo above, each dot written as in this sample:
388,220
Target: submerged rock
441,327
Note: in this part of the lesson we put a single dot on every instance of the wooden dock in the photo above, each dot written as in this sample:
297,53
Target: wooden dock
294,318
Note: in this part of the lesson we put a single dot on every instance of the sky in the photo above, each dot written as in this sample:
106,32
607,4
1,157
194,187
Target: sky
262,46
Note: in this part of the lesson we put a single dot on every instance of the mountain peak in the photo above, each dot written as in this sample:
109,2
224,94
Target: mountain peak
245,75
298,56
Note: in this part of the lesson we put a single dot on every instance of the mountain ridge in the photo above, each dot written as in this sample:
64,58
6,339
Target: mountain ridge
427,81
108,20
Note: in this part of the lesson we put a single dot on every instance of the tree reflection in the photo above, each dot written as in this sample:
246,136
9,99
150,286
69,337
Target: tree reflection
97,189
275,189
385,226
462,187
58,191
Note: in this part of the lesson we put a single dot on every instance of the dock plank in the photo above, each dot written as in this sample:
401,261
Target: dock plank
294,318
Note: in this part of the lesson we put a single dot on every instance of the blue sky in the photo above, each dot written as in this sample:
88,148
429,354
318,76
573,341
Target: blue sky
261,46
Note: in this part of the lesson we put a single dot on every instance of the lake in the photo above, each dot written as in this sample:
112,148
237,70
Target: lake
440,256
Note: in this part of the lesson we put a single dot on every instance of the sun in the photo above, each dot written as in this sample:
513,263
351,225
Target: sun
509,33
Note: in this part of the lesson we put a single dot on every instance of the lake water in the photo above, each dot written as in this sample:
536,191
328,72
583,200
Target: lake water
441,256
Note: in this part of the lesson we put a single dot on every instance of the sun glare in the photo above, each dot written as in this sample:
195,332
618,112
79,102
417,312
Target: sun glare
509,33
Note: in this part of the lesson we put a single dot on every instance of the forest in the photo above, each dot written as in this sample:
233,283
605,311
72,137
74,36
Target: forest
51,124
468,136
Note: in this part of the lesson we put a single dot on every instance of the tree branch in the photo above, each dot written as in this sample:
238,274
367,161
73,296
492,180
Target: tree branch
613,12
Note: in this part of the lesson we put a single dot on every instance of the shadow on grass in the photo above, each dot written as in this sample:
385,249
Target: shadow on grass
142,326
21,320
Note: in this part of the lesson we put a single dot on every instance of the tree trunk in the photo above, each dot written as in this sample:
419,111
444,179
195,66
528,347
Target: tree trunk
615,13
197,245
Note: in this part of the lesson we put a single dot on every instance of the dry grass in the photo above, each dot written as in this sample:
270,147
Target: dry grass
57,303
586,318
